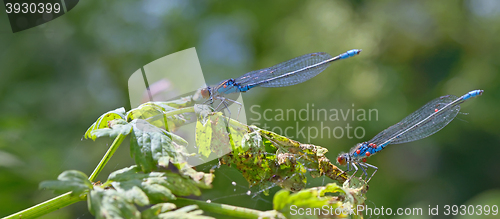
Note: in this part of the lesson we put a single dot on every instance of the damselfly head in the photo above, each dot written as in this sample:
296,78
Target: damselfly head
342,159
205,92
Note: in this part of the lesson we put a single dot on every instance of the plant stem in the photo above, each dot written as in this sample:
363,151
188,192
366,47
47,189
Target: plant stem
112,149
119,139
67,198
224,209
47,206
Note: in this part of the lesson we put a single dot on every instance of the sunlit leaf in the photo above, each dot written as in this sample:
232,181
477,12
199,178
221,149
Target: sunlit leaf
70,180
216,135
236,134
102,121
116,127
154,113
204,137
182,102
221,142
146,110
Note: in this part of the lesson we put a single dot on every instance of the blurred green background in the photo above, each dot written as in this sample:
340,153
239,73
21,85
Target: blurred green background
56,79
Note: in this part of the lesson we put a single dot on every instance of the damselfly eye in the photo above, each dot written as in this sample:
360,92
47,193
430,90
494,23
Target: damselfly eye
341,160
205,93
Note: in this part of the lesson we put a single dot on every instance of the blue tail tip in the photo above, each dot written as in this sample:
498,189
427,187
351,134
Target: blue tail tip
350,53
477,92
354,51
473,93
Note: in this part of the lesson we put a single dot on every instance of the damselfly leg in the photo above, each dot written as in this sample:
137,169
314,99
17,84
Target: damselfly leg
225,102
239,106
364,167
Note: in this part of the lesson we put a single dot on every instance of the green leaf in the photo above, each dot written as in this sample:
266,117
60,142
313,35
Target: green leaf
116,127
317,198
182,102
102,121
154,113
154,187
109,203
127,173
204,137
181,186
202,111
130,186
152,146
146,110
221,142
214,135
202,180
163,211
155,210
70,180
236,135
266,159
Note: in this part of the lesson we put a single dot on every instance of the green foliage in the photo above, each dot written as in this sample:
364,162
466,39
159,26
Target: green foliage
70,180
412,52
149,182
128,188
152,146
104,122
204,137
331,196
116,127
162,211
218,135
154,113
109,203
264,158
157,209
158,186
